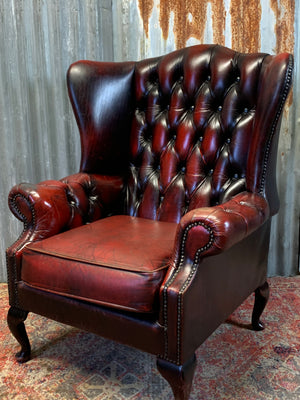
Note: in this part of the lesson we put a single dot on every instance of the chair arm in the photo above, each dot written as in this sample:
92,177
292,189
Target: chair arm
211,230
201,233
53,206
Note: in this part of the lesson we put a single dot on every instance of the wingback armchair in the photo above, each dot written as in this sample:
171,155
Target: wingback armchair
164,231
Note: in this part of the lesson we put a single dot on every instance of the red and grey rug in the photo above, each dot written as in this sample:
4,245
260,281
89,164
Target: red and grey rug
234,363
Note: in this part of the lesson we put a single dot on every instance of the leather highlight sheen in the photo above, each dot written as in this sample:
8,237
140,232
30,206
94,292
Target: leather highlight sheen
165,229
102,262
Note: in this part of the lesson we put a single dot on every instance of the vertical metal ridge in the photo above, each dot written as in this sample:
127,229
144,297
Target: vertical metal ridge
39,137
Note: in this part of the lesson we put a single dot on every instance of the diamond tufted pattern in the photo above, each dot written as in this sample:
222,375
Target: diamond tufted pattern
191,131
184,128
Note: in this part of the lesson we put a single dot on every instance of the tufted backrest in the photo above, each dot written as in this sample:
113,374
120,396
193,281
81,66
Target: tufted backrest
199,126
195,121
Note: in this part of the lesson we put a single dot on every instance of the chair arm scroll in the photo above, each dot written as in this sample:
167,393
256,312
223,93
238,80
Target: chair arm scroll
209,231
53,206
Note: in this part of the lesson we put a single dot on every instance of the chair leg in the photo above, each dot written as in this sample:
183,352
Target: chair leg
15,320
261,299
179,377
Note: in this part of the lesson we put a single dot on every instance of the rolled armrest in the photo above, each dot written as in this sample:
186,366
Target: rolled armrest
50,207
201,233
207,231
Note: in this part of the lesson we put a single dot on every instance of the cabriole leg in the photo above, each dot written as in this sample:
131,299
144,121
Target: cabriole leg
179,377
261,299
15,320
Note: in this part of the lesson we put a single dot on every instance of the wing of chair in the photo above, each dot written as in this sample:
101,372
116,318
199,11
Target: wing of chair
164,232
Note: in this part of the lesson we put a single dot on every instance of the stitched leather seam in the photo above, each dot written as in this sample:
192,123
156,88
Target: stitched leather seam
287,83
117,265
183,287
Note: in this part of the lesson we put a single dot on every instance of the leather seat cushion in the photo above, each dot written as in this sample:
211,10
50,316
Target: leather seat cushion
118,262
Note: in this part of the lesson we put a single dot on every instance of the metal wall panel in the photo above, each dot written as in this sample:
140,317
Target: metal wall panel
41,38
39,138
148,28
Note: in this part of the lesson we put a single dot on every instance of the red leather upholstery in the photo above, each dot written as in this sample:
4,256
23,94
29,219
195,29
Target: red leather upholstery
165,229
51,207
103,262
197,123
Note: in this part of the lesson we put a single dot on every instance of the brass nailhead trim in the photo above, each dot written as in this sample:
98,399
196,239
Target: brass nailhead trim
288,80
12,277
184,286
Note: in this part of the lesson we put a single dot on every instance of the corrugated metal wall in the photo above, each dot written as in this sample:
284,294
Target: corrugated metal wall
39,138
40,38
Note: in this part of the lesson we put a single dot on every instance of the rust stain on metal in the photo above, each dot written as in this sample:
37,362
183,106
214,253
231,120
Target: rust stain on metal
146,7
189,19
218,18
245,25
284,11
284,29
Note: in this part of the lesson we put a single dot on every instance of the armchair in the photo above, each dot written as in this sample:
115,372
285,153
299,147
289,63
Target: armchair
164,232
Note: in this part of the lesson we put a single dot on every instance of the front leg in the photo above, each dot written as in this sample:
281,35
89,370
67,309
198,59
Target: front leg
261,299
15,320
180,377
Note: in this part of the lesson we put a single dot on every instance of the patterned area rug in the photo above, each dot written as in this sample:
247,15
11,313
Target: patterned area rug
234,363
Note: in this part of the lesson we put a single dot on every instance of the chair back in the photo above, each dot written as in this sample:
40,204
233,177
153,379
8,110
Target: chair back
198,126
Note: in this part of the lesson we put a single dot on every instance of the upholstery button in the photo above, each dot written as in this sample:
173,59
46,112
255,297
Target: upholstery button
228,140
208,77
161,198
245,110
211,171
220,108
235,176
183,169
200,138
174,137
238,78
192,108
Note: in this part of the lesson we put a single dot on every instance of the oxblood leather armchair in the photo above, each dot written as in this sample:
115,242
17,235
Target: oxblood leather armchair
165,229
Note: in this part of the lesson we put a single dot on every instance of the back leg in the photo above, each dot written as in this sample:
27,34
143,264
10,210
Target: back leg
261,299
15,320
